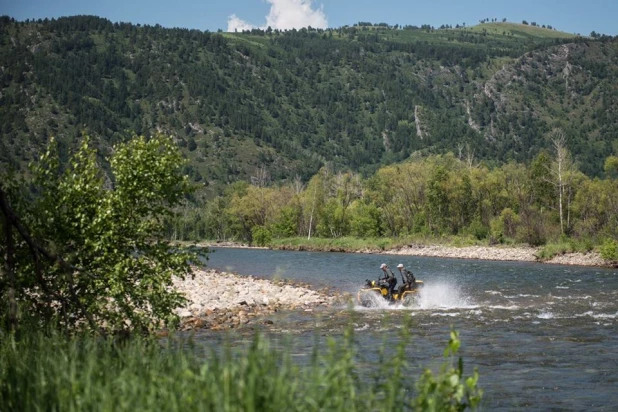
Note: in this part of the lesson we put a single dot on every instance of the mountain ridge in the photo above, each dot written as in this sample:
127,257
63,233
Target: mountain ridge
354,98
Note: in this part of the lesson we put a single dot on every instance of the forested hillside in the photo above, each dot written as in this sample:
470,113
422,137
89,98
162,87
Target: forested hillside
355,98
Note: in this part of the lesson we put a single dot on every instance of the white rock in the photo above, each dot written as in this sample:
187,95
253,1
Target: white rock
196,307
184,313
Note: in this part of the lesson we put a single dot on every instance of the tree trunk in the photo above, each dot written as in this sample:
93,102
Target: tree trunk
312,210
560,194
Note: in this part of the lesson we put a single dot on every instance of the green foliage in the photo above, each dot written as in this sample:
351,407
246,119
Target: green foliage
261,236
533,229
478,230
542,189
353,97
365,220
496,230
287,223
334,221
505,226
113,267
609,250
564,245
434,197
382,244
553,249
51,372
611,165
449,390
438,198
342,244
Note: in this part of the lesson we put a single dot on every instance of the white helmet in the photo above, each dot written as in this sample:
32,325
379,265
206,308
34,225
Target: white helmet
383,265
400,265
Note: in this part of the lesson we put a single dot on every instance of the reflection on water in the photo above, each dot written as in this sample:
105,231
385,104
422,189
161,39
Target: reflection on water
543,336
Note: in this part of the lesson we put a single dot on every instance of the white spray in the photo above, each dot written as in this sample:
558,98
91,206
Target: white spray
440,295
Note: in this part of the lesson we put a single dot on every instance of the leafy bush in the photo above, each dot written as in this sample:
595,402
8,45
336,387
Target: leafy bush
95,252
261,235
533,229
478,230
496,230
382,243
553,249
609,250
286,223
565,245
365,220
448,390
581,245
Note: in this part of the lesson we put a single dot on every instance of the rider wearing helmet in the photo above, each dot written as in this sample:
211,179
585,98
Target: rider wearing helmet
409,282
389,278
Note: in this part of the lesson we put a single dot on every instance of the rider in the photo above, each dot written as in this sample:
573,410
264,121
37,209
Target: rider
389,278
409,282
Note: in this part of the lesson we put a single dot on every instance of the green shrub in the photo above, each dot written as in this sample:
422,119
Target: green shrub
553,249
581,245
261,235
382,243
609,249
565,245
478,230
448,390
497,230
504,226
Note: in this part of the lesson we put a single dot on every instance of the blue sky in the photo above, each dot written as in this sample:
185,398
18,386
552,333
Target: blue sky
573,16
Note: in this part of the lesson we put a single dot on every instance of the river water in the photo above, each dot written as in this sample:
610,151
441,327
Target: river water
543,337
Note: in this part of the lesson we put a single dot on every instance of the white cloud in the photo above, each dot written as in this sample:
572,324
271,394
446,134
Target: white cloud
234,23
285,15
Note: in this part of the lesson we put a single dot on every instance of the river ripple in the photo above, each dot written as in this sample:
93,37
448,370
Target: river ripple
544,337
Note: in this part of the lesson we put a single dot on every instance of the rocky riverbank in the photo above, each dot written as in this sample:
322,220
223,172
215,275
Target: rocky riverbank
221,300
468,252
520,253
524,254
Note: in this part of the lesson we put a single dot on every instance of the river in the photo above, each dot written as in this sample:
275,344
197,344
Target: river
543,337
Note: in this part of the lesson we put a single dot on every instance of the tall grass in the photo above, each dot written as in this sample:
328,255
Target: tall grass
51,372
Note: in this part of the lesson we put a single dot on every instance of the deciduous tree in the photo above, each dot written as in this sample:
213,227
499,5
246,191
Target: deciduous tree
91,251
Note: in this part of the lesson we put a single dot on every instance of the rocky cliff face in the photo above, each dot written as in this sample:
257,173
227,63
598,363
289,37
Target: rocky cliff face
570,86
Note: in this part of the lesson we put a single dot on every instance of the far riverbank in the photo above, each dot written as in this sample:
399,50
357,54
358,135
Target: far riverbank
499,253
524,254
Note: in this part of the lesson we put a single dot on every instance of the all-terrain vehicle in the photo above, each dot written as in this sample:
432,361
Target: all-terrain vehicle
376,289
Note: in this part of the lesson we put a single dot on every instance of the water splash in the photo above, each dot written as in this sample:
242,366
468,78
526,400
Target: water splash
545,314
373,301
443,295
